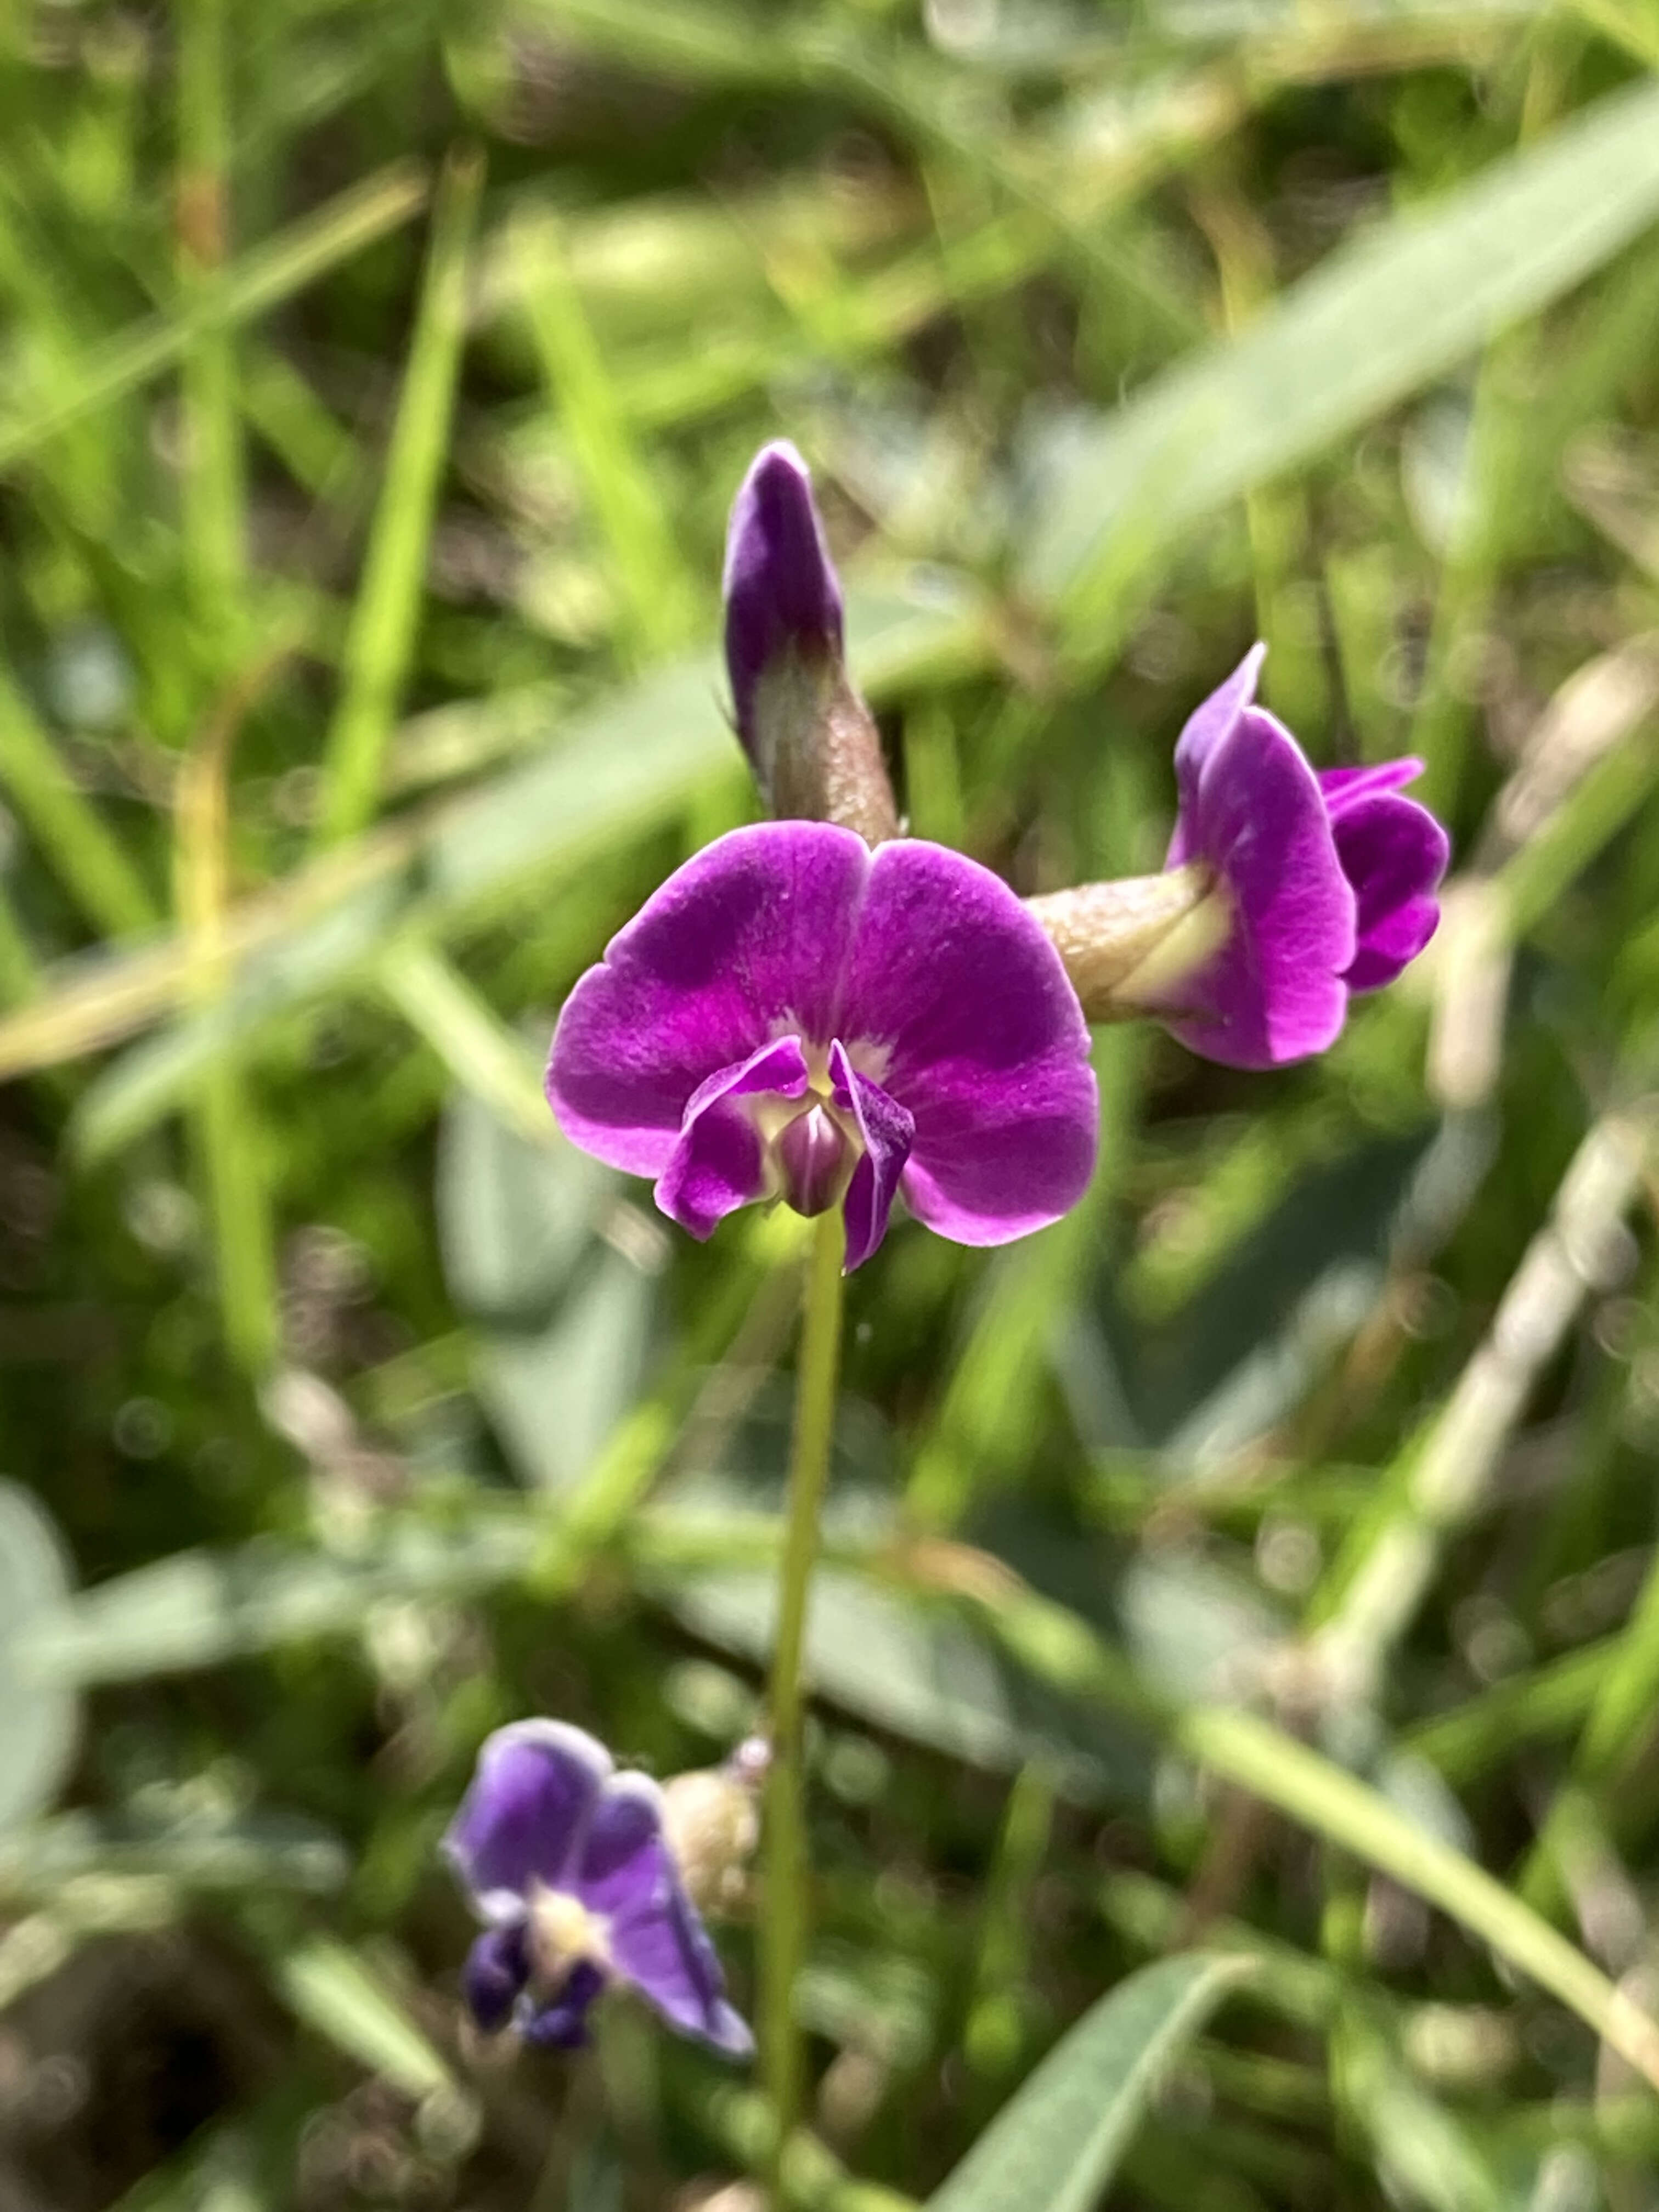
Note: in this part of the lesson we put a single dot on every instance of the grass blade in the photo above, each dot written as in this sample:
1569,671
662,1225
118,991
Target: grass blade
262,278
1376,322
380,641
89,860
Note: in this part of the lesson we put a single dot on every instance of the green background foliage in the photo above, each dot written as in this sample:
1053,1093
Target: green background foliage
1256,1567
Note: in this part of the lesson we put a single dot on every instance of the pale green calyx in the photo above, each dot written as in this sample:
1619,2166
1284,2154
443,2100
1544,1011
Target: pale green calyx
1127,946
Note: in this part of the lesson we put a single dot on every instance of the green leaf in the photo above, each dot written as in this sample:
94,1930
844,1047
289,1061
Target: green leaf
39,1717
540,1242
874,1653
1427,2158
1056,2146
1378,320
337,1993
199,1608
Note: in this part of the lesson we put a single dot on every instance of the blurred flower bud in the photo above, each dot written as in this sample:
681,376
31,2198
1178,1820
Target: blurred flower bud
1127,946
711,1819
811,740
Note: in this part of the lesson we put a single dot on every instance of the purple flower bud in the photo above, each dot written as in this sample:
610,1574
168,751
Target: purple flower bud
567,1864
814,748
903,997
782,594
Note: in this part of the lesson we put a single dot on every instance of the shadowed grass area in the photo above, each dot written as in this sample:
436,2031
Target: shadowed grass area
1259,1562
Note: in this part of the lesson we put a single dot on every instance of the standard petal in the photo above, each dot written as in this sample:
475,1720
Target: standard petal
561,2023
1393,854
781,586
888,1131
978,1034
750,939
494,1978
628,1877
524,1816
720,1162
1274,992
1207,726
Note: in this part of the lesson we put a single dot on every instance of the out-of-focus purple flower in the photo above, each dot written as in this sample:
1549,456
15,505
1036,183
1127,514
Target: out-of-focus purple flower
566,1863
794,1016
1328,879
810,739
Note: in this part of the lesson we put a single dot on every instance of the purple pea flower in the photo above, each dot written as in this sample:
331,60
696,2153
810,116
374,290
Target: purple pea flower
1329,879
567,1864
794,1016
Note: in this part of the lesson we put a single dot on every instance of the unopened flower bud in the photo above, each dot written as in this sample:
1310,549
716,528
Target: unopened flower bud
1127,946
810,739
711,1819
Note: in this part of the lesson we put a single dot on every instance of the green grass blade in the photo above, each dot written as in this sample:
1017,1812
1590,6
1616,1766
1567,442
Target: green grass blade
477,1047
1335,1804
1377,321
89,860
228,1129
381,641
212,477
260,280
647,571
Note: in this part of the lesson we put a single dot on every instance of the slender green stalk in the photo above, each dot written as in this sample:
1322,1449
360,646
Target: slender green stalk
226,1118
1332,1803
649,575
18,979
89,858
381,641
783,1931
466,1033
211,483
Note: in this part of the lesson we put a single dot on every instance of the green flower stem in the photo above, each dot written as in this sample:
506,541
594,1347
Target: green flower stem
786,1871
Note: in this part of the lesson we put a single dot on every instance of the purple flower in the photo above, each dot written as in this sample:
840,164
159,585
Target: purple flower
794,1016
567,1864
1329,880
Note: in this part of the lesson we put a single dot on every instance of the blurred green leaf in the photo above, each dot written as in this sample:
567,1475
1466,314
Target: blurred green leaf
543,1248
1382,317
39,1717
916,1669
1056,2144
337,1992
